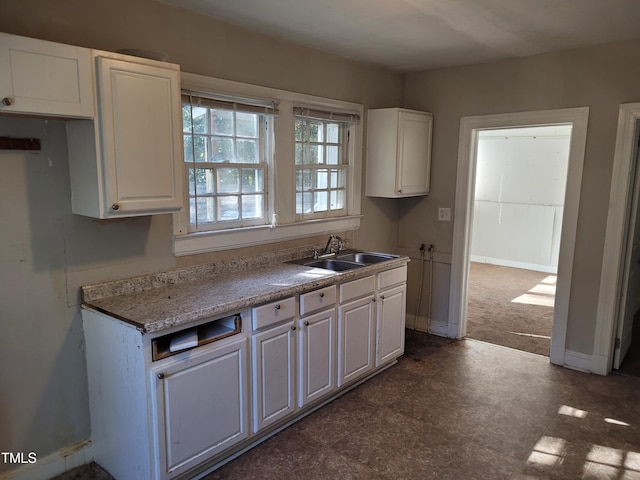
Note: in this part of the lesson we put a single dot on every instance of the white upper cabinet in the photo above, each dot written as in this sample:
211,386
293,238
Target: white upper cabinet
398,152
129,161
45,78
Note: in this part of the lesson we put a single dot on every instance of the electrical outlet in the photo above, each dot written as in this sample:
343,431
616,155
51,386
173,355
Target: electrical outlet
444,214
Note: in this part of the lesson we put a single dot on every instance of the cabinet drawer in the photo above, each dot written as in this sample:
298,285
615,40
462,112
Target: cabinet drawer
392,277
312,301
273,312
356,288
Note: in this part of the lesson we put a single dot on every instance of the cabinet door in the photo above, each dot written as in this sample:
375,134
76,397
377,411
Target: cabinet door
273,375
140,131
414,153
201,406
317,339
45,78
390,313
355,339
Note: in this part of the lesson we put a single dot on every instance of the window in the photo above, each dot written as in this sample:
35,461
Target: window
320,168
321,162
265,165
226,156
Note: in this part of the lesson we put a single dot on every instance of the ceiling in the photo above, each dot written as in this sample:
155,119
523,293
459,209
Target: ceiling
414,35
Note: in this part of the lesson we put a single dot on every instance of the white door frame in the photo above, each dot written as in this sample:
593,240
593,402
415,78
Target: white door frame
463,213
615,238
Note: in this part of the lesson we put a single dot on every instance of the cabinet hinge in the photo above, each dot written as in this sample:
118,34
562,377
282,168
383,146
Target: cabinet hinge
617,343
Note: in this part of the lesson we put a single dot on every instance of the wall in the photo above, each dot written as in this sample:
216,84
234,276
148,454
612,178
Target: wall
521,176
599,77
46,252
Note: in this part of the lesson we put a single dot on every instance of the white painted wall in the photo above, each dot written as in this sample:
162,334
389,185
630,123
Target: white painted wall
519,197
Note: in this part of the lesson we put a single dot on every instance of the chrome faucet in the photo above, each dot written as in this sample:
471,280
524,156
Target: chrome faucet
330,248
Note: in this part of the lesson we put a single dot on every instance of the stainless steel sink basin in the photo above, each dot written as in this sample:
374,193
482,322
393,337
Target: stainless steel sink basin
345,261
366,257
337,265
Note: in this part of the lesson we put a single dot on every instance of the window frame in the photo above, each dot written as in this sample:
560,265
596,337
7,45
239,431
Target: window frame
282,221
264,137
342,165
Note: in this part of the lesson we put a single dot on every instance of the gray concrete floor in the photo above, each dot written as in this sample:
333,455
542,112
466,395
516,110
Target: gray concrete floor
458,410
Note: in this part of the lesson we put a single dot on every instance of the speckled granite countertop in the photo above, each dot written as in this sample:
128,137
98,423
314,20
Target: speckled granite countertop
156,302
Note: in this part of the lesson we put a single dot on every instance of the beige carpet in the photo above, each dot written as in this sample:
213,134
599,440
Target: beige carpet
512,307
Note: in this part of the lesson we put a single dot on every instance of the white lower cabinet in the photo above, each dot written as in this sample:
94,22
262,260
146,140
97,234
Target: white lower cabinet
390,315
176,403
356,332
160,409
317,351
201,406
274,368
391,301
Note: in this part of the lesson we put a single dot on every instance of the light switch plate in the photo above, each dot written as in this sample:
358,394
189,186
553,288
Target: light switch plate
444,214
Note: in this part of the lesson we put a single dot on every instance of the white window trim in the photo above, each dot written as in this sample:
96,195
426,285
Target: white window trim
282,189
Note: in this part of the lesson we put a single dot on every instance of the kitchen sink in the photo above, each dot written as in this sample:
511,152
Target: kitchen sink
366,257
337,265
345,261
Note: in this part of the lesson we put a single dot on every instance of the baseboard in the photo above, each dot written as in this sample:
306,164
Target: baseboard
515,264
438,328
421,324
411,322
601,364
54,464
579,361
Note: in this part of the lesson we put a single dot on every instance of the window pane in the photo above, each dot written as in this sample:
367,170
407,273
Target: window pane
200,149
252,180
337,200
192,211
247,151
298,203
322,178
200,120
186,118
188,148
337,178
252,206
299,154
203,180
333,133
301,131
228,208
303,202
305,180
315,155
221,121
228,180
316,132
321,202
333,155
205,209
246,124
221,150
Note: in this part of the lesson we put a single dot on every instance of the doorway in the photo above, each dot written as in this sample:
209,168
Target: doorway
520,180
617,301
470,127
